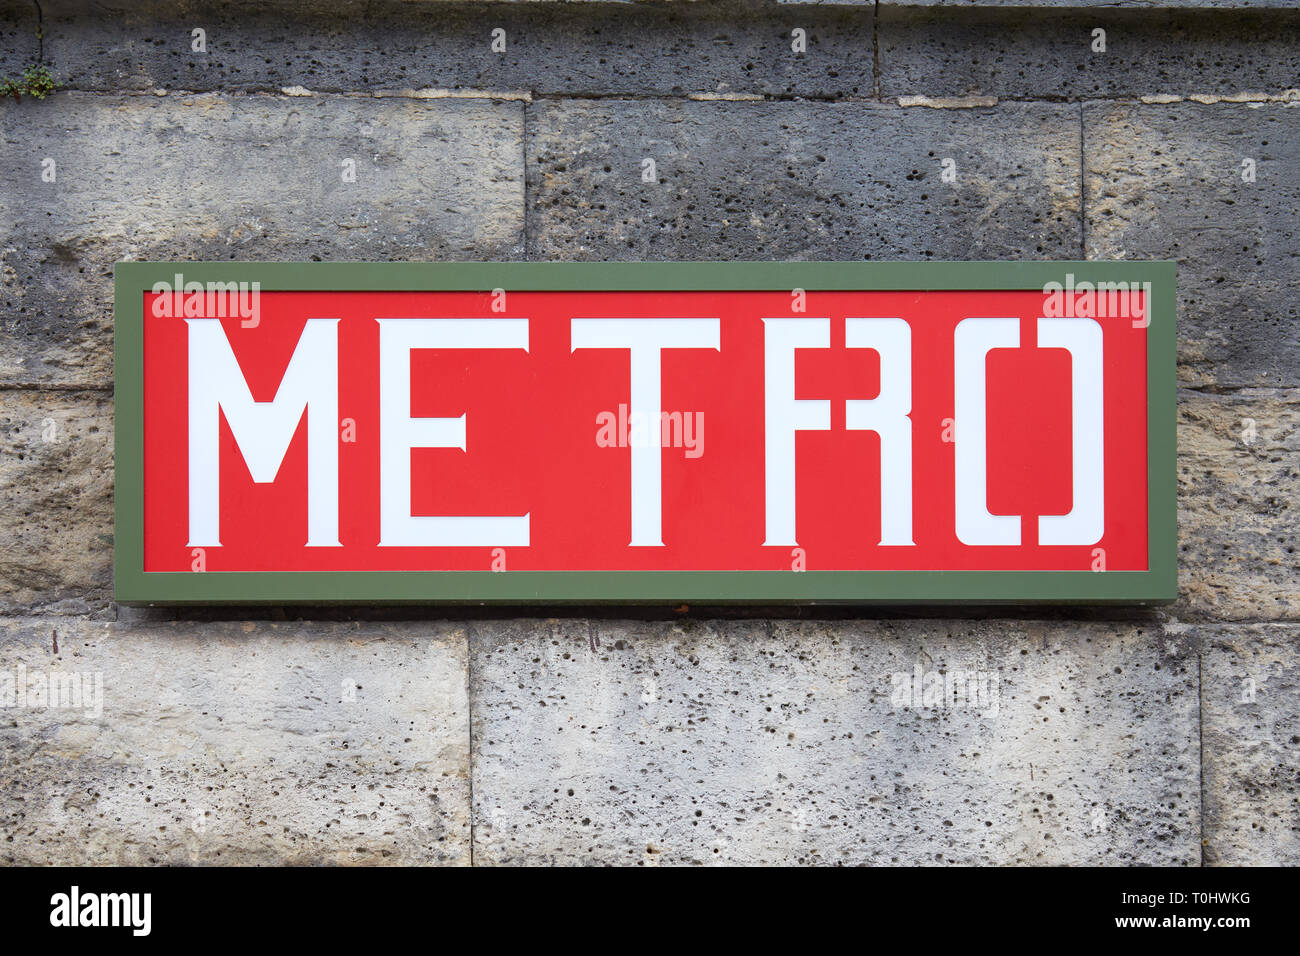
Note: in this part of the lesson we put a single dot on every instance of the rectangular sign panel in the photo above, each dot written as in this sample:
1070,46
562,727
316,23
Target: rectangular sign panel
645,432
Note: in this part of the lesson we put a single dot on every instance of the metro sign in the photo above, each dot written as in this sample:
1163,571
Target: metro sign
645,432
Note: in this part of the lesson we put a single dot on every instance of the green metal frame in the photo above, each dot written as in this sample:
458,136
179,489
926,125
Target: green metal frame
1157,585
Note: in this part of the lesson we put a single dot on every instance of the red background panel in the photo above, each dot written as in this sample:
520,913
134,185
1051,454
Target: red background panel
532,424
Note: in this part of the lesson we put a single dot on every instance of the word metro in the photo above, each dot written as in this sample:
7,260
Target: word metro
501,444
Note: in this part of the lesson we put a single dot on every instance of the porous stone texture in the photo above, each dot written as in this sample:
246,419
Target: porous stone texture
548,48
659,49
1058,53
1214,186
748,180
1249,686
235,743
1238,488
783,742
56,482
231,177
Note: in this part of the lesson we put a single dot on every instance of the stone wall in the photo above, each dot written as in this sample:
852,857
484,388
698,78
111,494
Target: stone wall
382,736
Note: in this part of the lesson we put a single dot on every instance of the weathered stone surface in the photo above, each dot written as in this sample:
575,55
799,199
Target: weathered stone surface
659,49
1050,53
801,181
238,744
779,742
1250,681
1238,487
654,48
1166,182
56,482
231,177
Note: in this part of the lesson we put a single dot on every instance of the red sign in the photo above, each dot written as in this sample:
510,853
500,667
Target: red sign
787,430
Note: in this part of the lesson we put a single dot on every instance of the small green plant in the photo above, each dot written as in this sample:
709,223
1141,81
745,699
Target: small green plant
36,81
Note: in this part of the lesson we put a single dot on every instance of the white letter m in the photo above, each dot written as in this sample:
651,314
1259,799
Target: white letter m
263,430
